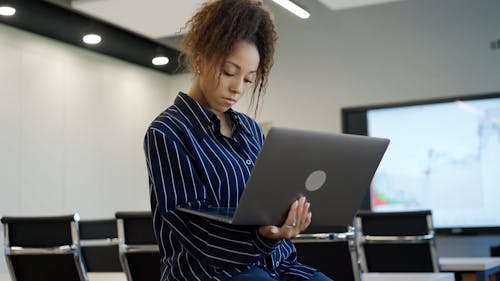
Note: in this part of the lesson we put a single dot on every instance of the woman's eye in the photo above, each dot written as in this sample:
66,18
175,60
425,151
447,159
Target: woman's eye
230,74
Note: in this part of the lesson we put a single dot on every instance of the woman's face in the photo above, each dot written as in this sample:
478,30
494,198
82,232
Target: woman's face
237,76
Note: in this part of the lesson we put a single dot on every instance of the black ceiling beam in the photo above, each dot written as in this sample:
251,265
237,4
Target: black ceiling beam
68,25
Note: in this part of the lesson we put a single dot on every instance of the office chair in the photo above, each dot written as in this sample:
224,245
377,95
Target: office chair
495,251
43,248
396,241
139,252
334,254
99,244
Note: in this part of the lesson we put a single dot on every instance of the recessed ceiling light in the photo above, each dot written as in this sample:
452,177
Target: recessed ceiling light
292,7
92,39
7,11
160,60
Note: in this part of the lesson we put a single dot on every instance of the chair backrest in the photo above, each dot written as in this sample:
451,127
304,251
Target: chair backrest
139,252
495,251
99,243
43,248
396,241
334,254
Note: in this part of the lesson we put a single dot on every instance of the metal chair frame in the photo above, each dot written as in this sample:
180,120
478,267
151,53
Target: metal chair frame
428,238
74,248
106,240
348,236
125,248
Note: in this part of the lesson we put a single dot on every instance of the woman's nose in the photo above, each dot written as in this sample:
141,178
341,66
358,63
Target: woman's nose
238,85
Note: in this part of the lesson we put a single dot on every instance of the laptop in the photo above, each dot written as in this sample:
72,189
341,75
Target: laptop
333,171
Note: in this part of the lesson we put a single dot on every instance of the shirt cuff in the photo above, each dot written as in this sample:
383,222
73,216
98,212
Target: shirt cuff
264,245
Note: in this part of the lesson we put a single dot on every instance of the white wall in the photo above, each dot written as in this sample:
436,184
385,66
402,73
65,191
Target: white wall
71,129
409,50
72,123
400,51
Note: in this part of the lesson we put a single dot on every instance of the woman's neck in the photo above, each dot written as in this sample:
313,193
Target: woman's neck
225,125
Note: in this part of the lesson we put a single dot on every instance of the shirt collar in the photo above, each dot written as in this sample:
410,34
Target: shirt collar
202,118
235,117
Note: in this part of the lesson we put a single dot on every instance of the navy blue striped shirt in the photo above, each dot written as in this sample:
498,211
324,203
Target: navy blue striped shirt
190,163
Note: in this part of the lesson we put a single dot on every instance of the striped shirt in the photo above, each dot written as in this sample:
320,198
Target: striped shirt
190,163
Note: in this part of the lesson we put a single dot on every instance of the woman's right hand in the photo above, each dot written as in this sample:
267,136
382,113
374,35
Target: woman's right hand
298,219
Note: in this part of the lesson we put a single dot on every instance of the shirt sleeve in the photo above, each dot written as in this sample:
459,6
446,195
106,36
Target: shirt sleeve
174,182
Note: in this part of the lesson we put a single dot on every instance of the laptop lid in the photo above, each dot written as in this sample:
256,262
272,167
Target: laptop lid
333,171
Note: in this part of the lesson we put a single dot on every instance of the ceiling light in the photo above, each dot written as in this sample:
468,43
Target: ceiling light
160,60
92,39
7,11
336,5
292,7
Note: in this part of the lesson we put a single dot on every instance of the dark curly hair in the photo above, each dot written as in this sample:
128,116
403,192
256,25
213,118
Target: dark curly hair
218,25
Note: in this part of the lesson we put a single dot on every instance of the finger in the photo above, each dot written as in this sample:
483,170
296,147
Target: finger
291,220
305,212
307,222
300,210
291,231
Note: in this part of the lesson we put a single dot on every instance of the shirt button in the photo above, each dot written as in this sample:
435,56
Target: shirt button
249,162
277,263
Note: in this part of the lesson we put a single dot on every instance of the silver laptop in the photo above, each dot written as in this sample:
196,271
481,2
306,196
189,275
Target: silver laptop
333,171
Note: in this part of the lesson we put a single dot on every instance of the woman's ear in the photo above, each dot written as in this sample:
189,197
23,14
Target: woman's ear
197,64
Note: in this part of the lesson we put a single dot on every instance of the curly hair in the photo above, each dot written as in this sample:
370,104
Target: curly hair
218,25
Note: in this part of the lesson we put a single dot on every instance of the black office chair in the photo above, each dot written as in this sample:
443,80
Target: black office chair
334,254
99,243
43,248
396,241
495,251
139,252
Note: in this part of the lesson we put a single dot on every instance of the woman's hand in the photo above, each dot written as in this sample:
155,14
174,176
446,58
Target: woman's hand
298,220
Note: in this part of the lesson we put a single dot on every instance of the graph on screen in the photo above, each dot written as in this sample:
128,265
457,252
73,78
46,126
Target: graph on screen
444,157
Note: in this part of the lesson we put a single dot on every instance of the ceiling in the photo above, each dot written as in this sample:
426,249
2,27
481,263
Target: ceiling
153,18
162,19
137,31
67,25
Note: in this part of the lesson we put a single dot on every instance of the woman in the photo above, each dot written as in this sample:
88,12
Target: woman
200,152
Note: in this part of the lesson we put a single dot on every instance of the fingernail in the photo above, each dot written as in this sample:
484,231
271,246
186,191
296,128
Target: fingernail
274,230
308,205
295,204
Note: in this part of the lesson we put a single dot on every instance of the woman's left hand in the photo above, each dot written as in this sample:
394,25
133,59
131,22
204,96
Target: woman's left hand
298,219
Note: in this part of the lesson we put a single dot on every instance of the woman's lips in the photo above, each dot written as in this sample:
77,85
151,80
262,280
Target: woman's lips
229,101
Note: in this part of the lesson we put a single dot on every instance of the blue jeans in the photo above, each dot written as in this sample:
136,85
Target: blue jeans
256,273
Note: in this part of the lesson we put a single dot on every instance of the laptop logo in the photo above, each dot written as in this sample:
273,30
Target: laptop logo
315,180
